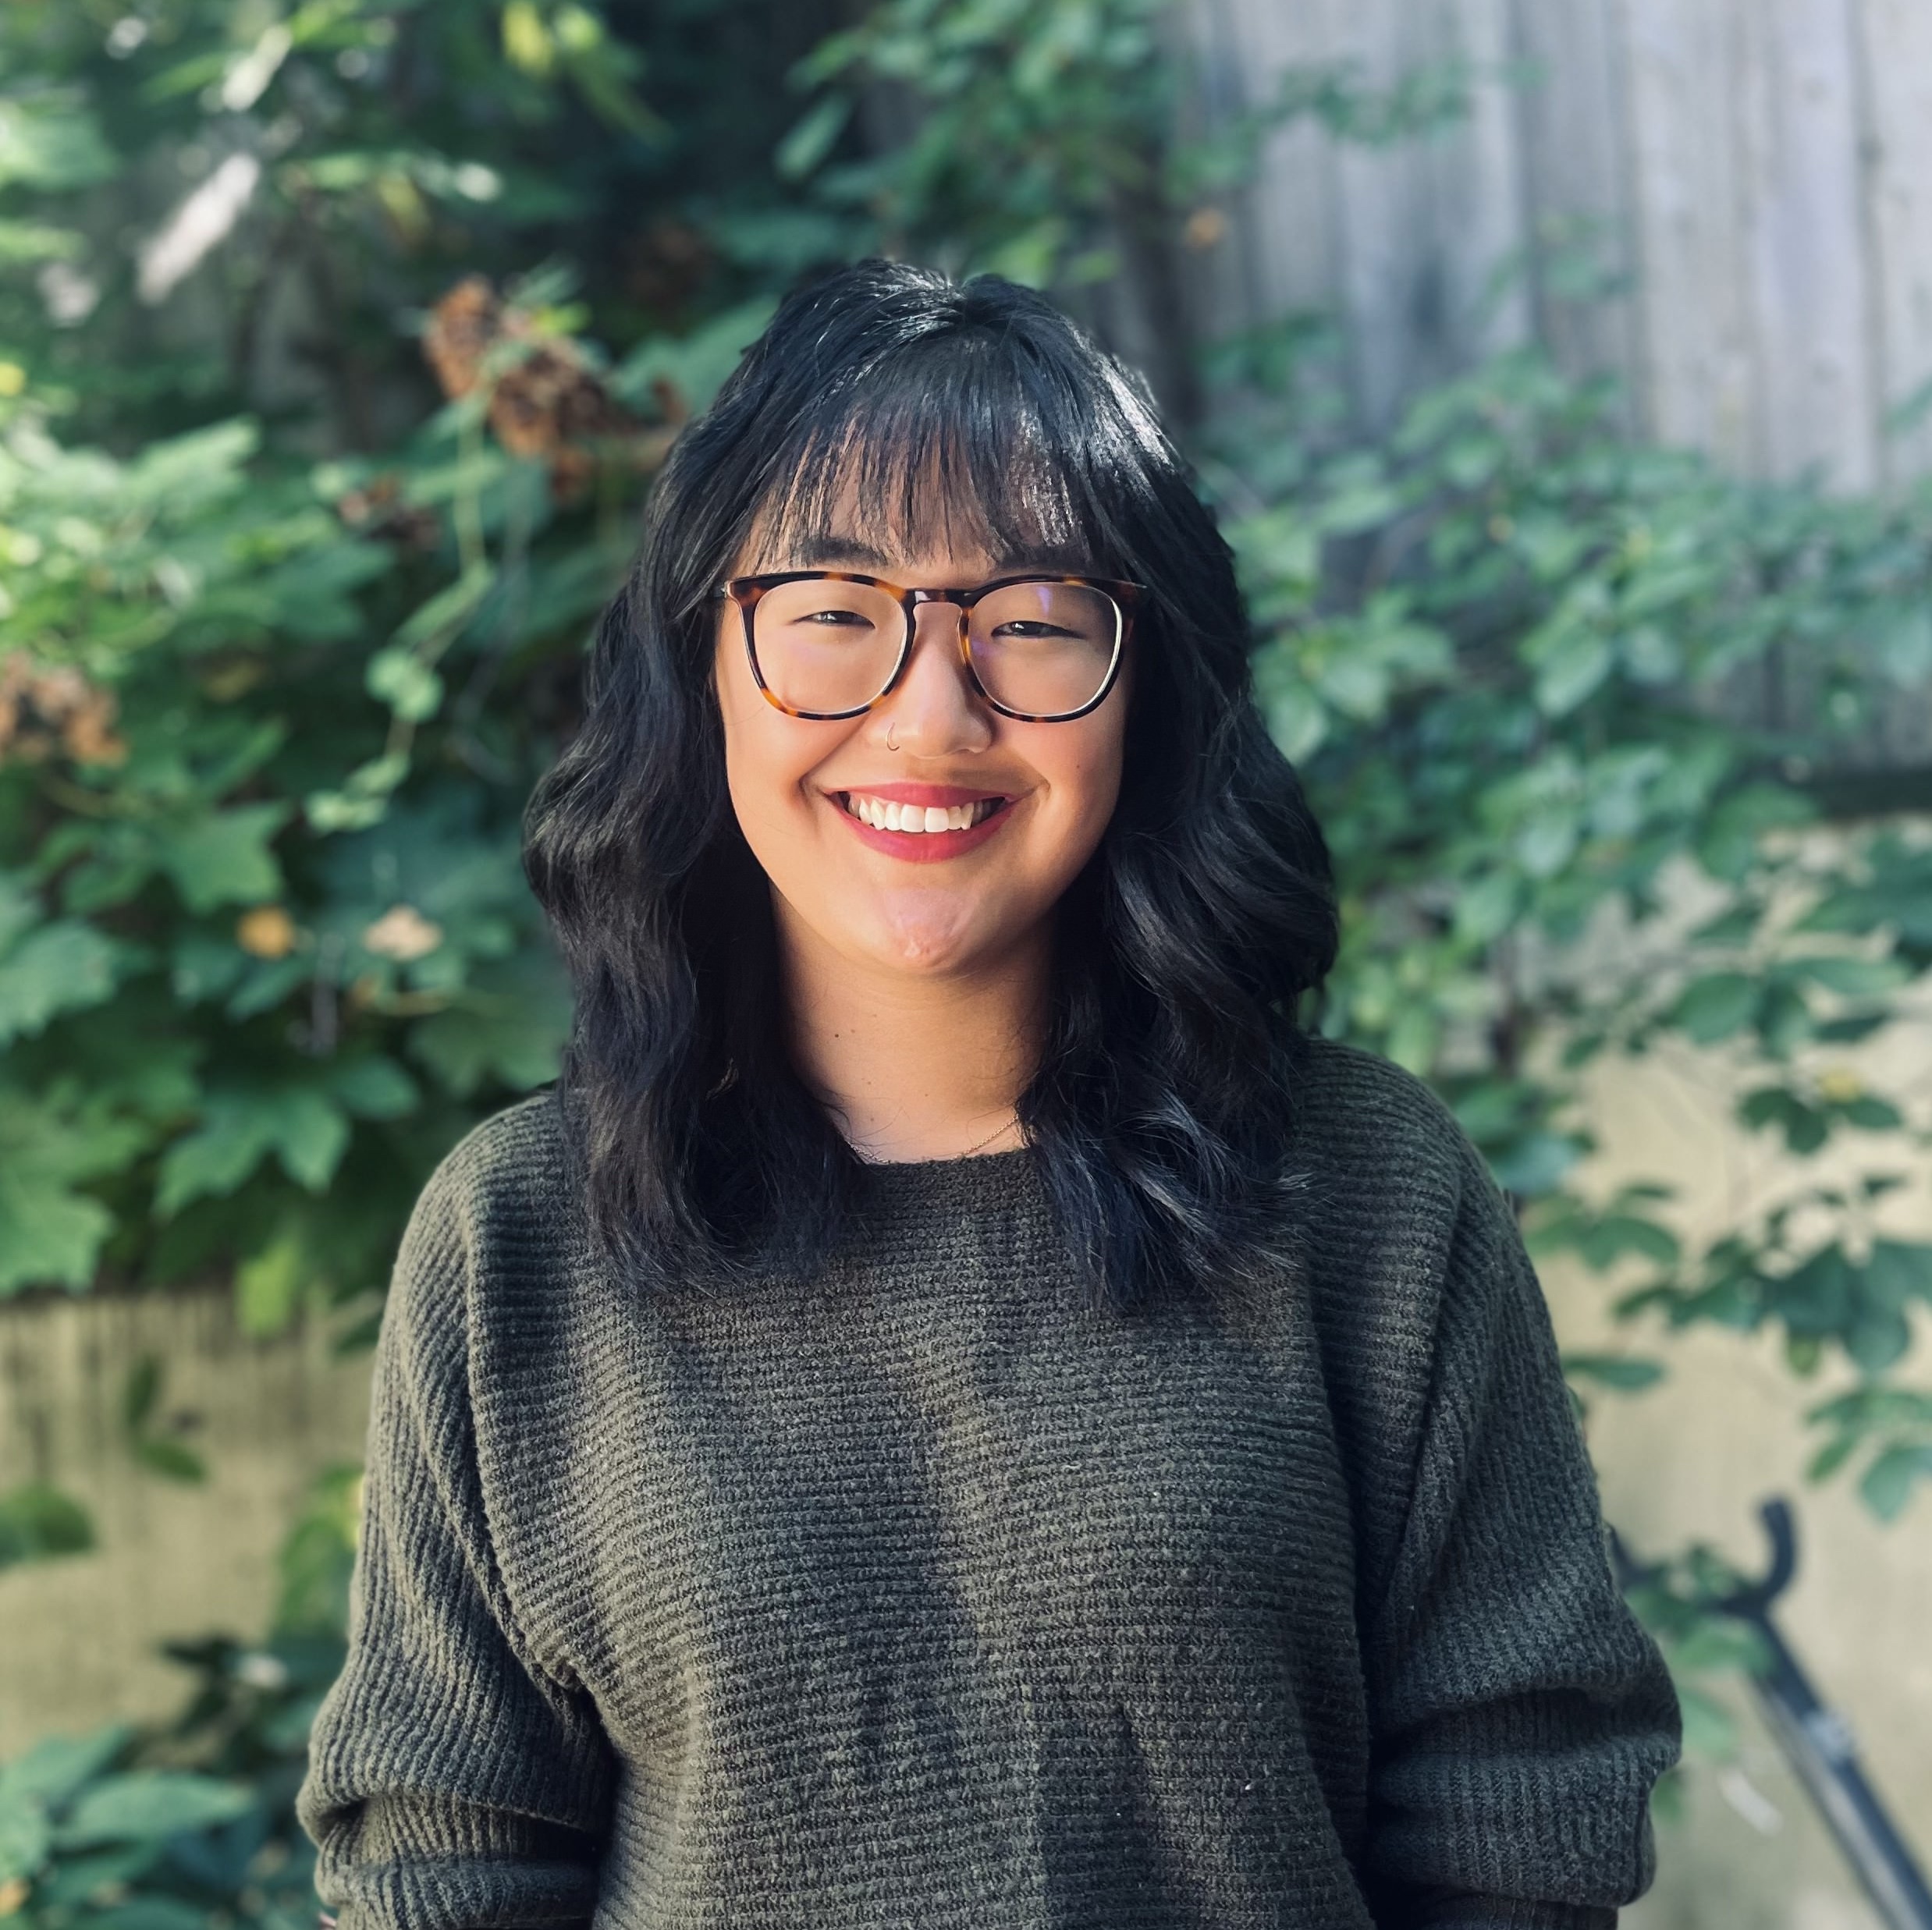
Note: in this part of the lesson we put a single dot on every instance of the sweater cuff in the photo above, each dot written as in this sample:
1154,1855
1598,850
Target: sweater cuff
1512,1913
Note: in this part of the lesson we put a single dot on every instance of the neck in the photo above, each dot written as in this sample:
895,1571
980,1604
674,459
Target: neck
914,1066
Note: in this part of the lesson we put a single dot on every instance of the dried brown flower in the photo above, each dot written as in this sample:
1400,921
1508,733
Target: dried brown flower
50,708
550,404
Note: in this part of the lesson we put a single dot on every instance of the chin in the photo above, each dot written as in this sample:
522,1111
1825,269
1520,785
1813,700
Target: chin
931,945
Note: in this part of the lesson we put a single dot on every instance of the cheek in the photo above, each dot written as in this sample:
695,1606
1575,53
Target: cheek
764,759
1085,767
767,755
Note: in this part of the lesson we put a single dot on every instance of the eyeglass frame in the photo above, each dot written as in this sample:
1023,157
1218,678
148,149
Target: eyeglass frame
746,591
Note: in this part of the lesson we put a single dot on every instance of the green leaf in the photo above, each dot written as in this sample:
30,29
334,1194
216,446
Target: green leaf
1297,719
38,1522
1899,1271
1535,1163
478,1039
1710,1731
1877,1338
1806,1127
375,1089
49,1234
140,1392
1852,977
1624,1373
1572,670
151,1803
53,1771
76,1882
812,137
224,858
172,1459
269,1285
26,1839
1871,1114
1831,1457
150,1913
1718,1643
1486,908
51,140
1731,837
400,679
1887,1485
1715,1006
302,1126
685,372
64,966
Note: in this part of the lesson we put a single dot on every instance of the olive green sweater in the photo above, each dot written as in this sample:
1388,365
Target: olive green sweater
915,1595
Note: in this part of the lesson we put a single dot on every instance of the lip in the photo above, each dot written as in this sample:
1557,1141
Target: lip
940,796
923,847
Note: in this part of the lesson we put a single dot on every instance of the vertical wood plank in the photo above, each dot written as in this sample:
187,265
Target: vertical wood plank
1480,222
1896,57
1207,40
1576,173
1698,383
1803,221
1763,168
1285,230
1389,276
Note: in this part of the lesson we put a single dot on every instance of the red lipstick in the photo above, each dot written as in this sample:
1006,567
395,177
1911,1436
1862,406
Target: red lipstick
925,847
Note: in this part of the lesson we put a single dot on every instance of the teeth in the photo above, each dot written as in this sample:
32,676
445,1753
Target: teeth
914,817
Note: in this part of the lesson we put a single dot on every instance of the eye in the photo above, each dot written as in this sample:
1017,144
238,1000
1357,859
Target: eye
1030,628
831,618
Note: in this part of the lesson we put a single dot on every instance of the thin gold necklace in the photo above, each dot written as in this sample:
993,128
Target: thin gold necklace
1011,1118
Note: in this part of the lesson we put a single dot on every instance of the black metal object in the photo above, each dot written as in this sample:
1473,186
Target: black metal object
1817,1740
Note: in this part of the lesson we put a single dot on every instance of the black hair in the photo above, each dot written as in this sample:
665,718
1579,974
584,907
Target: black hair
1160,1112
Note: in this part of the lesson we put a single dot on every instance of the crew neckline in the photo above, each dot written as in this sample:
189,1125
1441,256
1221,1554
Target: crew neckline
963,1180
949,1159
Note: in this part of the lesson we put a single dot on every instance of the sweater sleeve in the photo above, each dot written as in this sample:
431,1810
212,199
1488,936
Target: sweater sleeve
1520,1713
452,1781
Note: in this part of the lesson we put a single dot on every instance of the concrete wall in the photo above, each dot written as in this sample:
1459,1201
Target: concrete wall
1690,1460
78,1635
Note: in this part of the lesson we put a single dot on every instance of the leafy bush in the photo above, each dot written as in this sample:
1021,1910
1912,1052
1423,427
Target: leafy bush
172,1825
267,716
123,1829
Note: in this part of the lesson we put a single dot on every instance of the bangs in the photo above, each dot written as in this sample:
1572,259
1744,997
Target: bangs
938,448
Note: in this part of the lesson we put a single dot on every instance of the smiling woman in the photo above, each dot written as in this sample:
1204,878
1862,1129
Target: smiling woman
957,1410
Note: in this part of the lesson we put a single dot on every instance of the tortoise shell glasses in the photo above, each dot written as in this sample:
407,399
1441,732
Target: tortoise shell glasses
826,645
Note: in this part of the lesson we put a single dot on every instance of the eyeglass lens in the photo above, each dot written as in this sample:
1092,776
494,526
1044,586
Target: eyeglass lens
1041,648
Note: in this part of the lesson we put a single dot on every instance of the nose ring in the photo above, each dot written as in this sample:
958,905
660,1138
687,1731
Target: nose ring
891,724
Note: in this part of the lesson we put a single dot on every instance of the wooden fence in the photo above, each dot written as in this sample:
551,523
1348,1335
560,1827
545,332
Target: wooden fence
1757,172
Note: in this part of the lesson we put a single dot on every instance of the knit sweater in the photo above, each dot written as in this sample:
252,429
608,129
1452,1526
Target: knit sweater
917,1593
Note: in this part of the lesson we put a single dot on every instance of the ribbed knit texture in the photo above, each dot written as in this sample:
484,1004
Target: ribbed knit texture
917,1594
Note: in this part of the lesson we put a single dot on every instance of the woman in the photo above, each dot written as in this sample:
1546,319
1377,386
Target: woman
955,1411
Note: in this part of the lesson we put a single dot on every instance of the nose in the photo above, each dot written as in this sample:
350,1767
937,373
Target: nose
934,710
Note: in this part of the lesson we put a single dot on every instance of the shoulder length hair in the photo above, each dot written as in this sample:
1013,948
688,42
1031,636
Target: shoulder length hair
1159,1114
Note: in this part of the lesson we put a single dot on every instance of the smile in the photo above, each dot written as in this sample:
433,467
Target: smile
885,814
921,824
